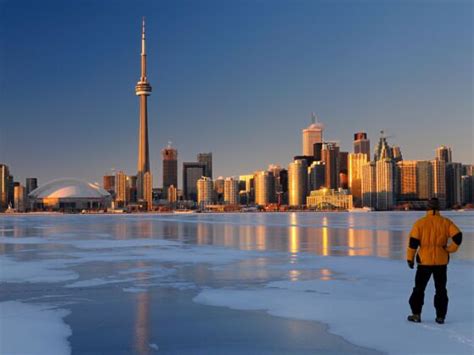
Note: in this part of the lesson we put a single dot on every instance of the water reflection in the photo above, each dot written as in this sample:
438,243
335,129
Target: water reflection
370,234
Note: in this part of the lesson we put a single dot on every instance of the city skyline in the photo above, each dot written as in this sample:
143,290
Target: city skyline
278,143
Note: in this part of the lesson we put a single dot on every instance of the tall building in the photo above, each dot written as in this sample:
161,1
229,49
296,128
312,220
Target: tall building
356,162
438,173
206,159
316,175
361,143
330,156
148,190
121,189
170,167
219,189
297,182
317,151
132,189
369,185
383,149
453,184
143,90
343,170
385,183
467,189
396,154
172,194
4,186
264,188
108,181
30,185
205,191
407,180
311,135
231,191
444,153
192,172
19,197
424,180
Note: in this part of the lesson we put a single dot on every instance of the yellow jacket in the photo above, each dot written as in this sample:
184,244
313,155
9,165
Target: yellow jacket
431,234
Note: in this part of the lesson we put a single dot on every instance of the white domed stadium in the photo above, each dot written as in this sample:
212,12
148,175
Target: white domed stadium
69,195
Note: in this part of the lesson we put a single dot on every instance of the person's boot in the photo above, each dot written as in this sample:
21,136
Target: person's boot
416,318
439,320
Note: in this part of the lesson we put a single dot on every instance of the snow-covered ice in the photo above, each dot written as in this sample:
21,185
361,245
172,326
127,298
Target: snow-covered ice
365,300
33,329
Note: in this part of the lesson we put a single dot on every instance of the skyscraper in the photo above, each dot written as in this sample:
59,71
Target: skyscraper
330,156
385,183
264,188
143,90
383,149
439,181
396,154
170,167
109,184
121,189
231,191
30,185
453,184
424,180
219,189
4,186
356,162
19,197
369,185
444,153
206,159
148,190
343,170
311,135
361,143
192,172
297,182
316,175
407,179
205,191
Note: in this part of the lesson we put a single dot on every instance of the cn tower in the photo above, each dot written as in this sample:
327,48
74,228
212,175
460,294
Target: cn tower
143,90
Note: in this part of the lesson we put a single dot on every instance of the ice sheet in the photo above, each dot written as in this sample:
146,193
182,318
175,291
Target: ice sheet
33,329
365,301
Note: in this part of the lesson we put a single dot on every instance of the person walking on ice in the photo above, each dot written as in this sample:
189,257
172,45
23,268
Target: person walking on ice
429,239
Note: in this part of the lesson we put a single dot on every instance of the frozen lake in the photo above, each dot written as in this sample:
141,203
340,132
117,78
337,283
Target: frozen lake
269,283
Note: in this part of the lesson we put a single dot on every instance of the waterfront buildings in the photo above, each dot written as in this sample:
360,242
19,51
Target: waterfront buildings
219,185
329,199
148,190
311,135
143,90
170,168
121,189
424,180
407,179
297,182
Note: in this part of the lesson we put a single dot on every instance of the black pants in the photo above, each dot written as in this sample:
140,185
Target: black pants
423,274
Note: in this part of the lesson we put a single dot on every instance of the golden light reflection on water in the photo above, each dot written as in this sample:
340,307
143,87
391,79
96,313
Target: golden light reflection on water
294,275
293,238
326,274
142,320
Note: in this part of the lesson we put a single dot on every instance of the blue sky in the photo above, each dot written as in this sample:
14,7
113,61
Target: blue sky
238,78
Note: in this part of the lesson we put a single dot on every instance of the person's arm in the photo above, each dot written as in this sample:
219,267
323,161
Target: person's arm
413,244
456,236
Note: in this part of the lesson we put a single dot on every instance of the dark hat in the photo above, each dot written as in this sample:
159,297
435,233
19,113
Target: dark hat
433,204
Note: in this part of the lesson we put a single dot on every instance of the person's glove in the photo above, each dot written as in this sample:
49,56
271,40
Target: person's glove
411,264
